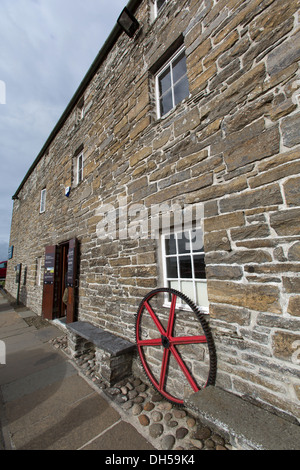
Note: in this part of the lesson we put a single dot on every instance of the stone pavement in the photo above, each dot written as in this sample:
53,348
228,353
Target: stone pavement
45,404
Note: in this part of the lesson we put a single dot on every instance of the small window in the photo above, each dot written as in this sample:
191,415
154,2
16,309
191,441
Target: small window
172,83
184,265
79,168
80,109
43,201
158,4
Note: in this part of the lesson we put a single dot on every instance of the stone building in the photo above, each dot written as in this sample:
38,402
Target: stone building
198,109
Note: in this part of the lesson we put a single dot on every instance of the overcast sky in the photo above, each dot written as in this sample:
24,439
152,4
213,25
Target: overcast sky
46,48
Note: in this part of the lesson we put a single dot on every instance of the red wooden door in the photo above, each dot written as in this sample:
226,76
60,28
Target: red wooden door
72,280
49,283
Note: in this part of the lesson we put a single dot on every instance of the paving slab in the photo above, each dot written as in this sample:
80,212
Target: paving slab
29,362
30,383
68,428
123,435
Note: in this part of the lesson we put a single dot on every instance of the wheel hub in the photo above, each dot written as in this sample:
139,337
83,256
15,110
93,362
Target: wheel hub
165,342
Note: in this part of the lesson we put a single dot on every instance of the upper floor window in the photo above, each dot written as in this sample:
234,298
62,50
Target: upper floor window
78,166
172,83
43,201
158,4
80,109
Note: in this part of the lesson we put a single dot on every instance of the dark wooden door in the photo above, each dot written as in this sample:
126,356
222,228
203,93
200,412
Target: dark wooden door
72,280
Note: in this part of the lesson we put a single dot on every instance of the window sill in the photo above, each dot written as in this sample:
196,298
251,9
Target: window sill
186,308
173,110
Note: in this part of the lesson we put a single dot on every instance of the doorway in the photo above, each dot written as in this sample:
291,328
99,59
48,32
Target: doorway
60,297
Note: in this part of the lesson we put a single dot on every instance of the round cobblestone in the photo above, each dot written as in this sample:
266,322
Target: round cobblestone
144,420
179,414
168,442
136,409
202,433
156,416
149,406
156,430
181,433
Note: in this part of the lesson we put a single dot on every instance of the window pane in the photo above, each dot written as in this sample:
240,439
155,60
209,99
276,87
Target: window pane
197,240
183,243
171,245
172,271
202,298
172,285
166,103
164,81
43,200
179,67
181,90
188,289
199,267
185,267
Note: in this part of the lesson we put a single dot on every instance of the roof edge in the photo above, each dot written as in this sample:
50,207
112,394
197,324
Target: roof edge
105,49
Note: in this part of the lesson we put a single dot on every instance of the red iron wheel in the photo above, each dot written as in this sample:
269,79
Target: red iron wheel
177,353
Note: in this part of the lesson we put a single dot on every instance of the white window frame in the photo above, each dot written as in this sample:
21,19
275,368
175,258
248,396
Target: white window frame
79,172
158,74
179,280
43,201
156,9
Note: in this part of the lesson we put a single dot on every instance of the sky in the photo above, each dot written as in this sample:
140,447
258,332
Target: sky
46,48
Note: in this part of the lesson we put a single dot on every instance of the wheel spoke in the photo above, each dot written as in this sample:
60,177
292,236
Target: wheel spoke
164,369
155,319
184,369
188,340
171,316
149,342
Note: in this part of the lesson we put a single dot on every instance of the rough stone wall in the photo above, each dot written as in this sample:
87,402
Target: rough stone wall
233,145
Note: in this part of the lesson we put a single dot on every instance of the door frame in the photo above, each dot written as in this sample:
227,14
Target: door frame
57,276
